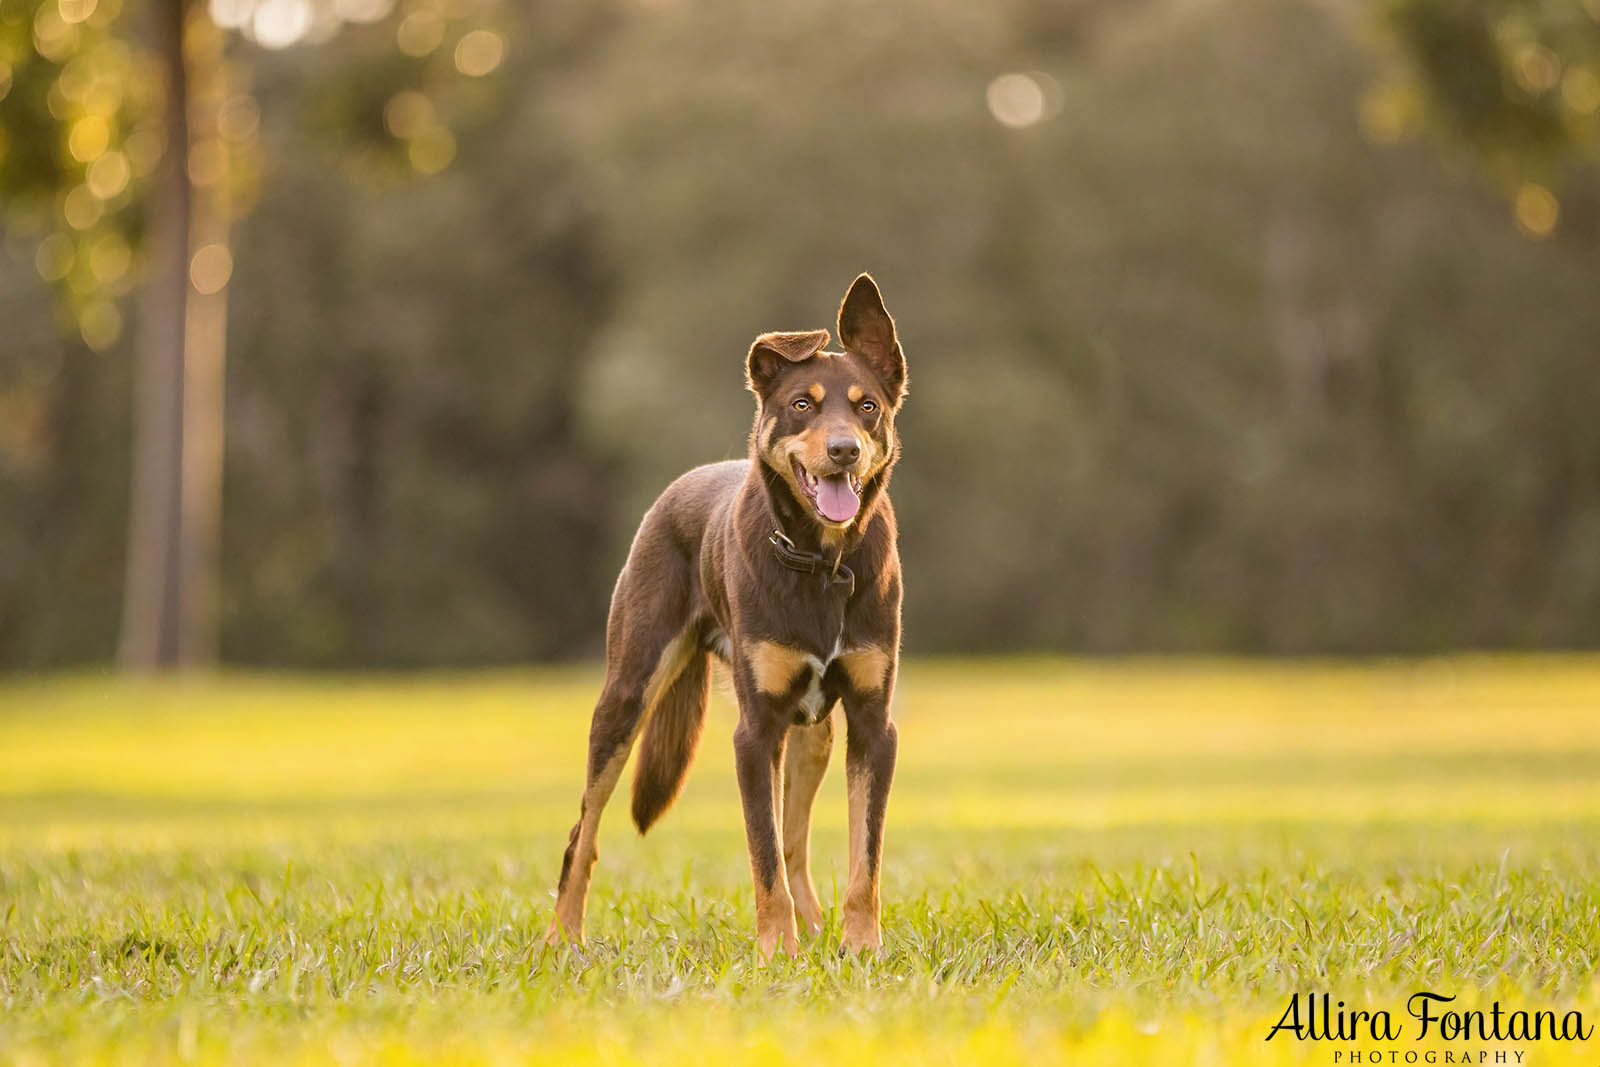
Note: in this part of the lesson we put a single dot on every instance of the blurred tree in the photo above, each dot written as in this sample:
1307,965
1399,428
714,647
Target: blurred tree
1514,82
123,134
117,161
1195,364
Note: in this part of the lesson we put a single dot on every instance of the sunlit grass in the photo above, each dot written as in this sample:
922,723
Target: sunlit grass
1109,862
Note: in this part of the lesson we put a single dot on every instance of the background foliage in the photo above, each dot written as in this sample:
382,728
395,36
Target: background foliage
1261,326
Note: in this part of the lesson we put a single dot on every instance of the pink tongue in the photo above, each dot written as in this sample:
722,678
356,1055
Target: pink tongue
836,500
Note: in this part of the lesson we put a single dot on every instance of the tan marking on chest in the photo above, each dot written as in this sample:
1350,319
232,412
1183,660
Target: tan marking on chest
775,666
854,393
817,392
867,668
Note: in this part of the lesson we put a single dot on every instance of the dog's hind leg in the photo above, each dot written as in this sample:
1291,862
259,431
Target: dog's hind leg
805,760
650,640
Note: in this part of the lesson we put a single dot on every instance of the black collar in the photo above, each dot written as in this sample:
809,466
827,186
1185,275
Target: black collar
798,559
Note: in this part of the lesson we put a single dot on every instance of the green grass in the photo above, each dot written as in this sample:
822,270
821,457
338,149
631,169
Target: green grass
1129,862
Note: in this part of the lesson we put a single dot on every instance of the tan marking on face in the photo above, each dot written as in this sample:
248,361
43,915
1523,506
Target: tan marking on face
775,666
867,668
806,446
791,448
871,461
854,393
810,447
817,392
764,442
813,447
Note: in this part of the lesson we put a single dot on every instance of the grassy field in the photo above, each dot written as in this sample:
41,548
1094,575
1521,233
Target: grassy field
1086,862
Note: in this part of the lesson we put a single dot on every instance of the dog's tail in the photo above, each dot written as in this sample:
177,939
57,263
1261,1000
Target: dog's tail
670,738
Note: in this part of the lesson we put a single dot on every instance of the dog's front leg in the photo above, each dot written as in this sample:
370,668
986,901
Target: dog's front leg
758,744
871,743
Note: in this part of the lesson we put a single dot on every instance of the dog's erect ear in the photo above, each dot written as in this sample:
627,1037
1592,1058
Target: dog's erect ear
866,329
772,350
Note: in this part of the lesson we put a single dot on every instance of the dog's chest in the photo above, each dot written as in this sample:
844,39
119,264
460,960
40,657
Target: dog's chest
813,705
785,670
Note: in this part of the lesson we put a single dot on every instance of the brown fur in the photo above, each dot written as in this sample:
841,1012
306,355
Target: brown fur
703,578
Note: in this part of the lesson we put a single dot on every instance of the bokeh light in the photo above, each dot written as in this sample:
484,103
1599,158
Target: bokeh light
480,52
82,208
109,175
1388,113
1537,69
210,269
100,324
280,23
1536,209
76,77
432,149
110,258
406,113
419,33
89,138
103,97
53,37
231,14
1581,90
362,10
1024,98
54,256
74,11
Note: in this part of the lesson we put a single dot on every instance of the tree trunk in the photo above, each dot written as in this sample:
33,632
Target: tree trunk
169,598
152,590
205,351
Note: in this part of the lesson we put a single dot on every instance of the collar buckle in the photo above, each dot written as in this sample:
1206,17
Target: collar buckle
798,559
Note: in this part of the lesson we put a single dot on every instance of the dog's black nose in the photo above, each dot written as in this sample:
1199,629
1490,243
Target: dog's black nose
844,450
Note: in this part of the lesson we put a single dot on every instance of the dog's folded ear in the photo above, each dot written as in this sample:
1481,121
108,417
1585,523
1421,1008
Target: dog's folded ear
772,350
866,329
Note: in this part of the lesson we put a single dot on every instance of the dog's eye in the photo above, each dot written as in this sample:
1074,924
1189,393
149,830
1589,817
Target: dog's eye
868,407
802,404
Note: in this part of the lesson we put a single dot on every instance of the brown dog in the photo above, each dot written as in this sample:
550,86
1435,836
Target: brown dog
783,565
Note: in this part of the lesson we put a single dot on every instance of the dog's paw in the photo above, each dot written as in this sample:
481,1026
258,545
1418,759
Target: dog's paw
808,916
557,935
861,937
769,943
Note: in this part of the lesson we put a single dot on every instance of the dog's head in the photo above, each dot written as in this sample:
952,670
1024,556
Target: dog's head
825,420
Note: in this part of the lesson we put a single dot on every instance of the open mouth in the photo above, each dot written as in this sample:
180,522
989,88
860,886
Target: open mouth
837,497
